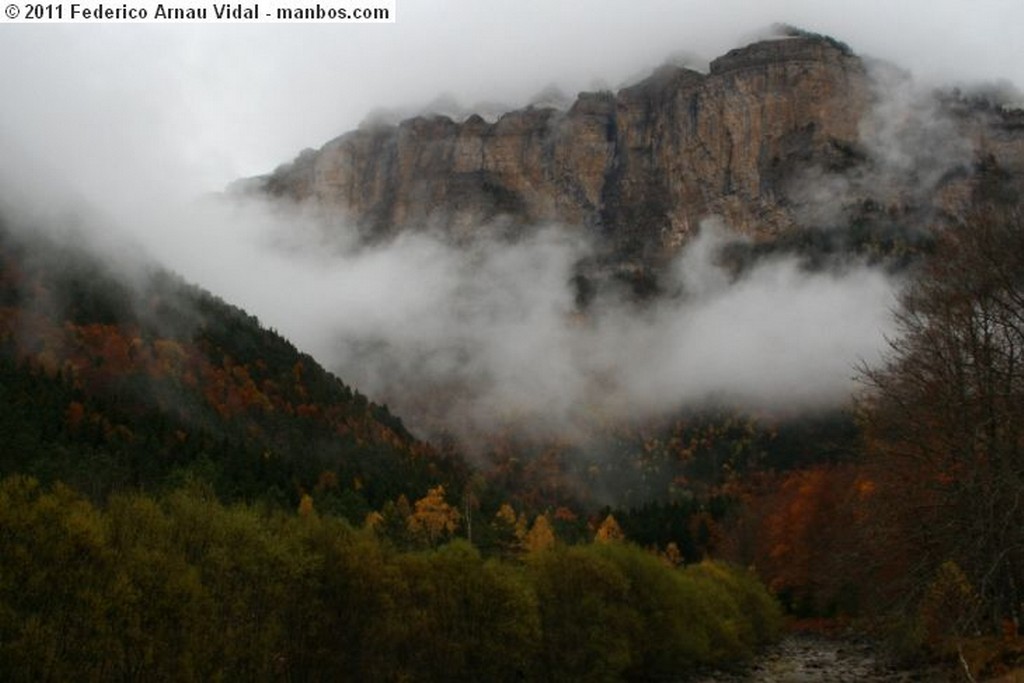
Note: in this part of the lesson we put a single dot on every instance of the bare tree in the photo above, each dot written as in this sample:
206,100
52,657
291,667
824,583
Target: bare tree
944,417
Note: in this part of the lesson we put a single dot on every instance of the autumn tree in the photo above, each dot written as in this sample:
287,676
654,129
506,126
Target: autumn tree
306,505
943,415
540,536
509,530
803,531
609,531
433,519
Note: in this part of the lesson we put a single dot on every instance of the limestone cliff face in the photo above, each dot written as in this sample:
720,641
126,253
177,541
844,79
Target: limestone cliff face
639,168
727,143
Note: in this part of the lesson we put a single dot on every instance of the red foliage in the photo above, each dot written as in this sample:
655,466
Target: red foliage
805,533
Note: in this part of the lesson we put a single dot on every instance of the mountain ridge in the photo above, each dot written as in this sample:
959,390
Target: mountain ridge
792,133
591,165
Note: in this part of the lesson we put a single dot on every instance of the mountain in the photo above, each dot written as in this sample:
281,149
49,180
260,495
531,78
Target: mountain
781,136
113,377
799,145
144,393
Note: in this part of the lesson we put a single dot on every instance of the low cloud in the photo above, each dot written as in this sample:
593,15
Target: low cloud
472,336
479,336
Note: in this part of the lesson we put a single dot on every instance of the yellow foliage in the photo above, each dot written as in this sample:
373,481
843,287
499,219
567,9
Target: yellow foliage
609,531
433,518
506,514
373,520
517,523
541,536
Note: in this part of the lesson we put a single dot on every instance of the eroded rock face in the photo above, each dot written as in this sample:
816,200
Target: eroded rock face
639,169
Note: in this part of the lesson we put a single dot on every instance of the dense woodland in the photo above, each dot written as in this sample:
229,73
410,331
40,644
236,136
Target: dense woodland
186,588
187,496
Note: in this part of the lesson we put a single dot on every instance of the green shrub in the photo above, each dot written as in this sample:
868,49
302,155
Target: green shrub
184,588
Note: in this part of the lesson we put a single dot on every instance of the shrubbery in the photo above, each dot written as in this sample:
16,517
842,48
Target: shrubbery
185,588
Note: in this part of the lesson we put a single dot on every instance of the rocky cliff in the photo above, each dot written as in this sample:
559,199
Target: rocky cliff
641,167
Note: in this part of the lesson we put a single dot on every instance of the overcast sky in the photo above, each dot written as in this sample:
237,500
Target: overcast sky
146,108
140,120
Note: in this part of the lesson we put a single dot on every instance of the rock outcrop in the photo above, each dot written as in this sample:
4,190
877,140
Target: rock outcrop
638,168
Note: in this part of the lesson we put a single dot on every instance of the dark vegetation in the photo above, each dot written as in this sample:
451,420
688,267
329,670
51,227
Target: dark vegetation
186,588
943,434
868,235
920,534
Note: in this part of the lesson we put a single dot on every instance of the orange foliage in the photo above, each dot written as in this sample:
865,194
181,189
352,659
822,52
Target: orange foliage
103,351
804,531
433,518
231,391
540,536
609,531
564,514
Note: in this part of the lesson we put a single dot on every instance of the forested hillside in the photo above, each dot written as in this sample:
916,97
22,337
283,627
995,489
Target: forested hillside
110,382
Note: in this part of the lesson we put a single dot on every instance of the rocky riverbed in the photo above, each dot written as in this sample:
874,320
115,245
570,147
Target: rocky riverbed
806,658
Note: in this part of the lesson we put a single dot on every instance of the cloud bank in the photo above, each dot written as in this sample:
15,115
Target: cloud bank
472,338
137,122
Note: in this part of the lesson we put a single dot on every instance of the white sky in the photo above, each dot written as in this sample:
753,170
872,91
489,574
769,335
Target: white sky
140,109
140,119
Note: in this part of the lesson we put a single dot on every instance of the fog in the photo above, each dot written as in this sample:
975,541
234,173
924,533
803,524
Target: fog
143,111
144,124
